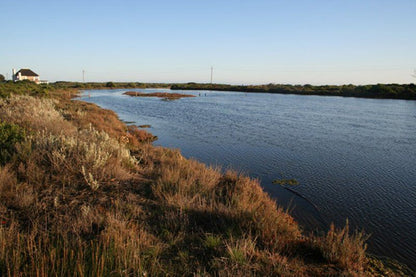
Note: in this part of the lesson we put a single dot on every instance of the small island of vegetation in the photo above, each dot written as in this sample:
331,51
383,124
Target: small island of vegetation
164,95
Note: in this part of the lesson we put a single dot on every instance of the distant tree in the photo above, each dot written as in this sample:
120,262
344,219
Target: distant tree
1,78
110,85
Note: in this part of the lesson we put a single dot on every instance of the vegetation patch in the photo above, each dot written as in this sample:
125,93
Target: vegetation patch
386,91
23,87
164,95
282,182
144,126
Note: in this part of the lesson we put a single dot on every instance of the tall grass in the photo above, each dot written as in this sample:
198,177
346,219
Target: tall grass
345,249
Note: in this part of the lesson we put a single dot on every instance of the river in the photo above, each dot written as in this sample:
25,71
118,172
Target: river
353,158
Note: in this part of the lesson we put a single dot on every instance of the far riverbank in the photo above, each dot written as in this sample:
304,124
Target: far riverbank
378,91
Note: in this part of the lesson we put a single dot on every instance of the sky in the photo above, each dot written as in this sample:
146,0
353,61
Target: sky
246,42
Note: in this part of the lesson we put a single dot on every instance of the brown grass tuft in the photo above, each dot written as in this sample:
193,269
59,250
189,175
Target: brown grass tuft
345,249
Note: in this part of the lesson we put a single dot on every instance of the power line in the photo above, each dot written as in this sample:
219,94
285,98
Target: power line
212,72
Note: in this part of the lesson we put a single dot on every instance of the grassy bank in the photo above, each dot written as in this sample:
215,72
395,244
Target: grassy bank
106,85
382,91
82,194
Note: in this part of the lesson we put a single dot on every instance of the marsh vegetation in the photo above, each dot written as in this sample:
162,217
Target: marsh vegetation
385,91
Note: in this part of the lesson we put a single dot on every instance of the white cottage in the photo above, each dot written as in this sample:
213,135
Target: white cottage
25,74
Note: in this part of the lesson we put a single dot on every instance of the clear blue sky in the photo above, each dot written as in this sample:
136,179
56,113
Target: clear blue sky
247,42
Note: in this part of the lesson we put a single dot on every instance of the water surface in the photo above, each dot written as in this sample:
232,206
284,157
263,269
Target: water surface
354,158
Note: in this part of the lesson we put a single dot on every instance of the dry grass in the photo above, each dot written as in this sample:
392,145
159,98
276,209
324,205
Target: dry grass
36,114
345,249
136,136
90,154
85,202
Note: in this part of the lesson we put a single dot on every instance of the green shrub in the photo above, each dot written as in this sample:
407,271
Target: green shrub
10,134
24,87
212,241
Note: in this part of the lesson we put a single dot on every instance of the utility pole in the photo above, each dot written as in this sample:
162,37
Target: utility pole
83,76
212,71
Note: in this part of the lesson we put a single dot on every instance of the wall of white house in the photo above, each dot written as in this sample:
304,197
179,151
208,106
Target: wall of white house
31,78
20,77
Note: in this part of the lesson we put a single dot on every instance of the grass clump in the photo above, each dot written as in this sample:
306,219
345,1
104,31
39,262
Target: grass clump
345,249
212,241
241,251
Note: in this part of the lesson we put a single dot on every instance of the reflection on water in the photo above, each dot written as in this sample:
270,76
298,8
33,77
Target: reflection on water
353,158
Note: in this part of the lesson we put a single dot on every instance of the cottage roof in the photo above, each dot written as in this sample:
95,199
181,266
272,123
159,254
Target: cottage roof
27,72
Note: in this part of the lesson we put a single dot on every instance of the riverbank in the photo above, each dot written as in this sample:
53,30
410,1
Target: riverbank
82,194
378,91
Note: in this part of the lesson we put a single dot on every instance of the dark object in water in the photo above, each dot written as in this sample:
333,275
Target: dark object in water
290,182
293,182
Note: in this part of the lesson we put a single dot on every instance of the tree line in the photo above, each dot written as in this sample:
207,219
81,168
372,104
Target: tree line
384,91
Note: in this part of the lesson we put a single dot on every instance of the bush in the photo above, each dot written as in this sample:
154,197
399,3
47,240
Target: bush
10,134
91,157
24,87
345,249
136,136
34,114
